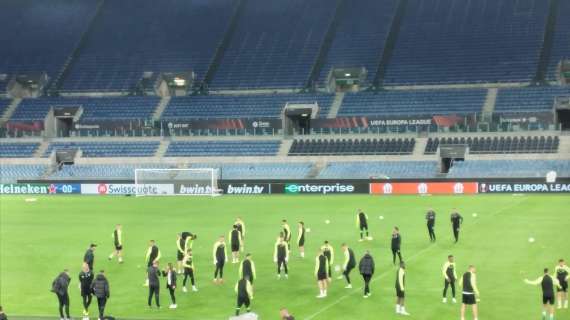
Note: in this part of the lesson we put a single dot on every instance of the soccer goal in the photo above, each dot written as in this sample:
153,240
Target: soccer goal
177,182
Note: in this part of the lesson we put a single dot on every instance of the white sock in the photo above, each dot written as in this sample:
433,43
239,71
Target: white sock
398,309
302,254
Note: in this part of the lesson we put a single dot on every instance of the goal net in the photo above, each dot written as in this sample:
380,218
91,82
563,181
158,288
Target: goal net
174,182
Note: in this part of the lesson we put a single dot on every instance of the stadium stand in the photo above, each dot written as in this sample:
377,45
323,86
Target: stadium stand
529,99
110,108
17,149
413,102
4,103
489,145
103,171
450,41
237,171
119,50
10,173
351,146
41,34
370,169
508,168
217,148
561,45
360,37
275,44
244,106
3,84
107,149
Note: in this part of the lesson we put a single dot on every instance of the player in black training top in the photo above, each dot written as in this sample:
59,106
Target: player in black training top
396,245
301,239
401,290
118,243
235,243
286,232
547,283
456,221
430,218
562,271
152,256
220,256
247,268
188,264
362,224
348,264
244,291
281,256
85,280
321,273
470,292
328,251
449,277
89,256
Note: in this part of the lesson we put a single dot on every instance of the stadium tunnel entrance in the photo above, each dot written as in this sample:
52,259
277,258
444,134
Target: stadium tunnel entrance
449,154
297,118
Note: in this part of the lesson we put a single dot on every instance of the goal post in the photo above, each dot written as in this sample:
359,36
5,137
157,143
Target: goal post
177,182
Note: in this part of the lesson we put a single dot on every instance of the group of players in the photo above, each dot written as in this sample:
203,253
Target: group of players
99,286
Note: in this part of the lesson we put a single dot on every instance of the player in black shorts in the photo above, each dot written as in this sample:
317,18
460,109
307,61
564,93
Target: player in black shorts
348,265
85,280
456,222
562,271
396,245
321,273
118,243
281,256
470,292
244,291
328,251
181,247
301,239
430,218
400,290
547,283
362,224
286,232
220,256
235,243
247,268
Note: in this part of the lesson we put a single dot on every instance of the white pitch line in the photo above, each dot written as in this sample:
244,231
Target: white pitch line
337,301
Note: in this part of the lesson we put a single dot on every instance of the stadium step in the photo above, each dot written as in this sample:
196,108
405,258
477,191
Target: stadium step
160,108
326,45
490,100
162,148
317,167
337,102
547,43
226,40
57,82
41,149
10,110
284,147
390,44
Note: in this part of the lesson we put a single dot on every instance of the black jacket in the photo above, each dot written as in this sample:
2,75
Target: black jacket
3,316
366,265
100,287
172,278
89,257
153,277
60,284
86,279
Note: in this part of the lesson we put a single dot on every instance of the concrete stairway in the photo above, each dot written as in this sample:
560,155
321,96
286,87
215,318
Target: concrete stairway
337,102
162,148
10,110
160,108
41,149
490,100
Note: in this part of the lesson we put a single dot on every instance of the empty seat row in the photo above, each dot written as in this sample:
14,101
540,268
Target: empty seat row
486,145
222,148
351,146
107,149
17,149
376,169
11,173
508,168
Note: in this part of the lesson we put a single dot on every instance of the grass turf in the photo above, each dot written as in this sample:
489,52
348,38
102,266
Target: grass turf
39,239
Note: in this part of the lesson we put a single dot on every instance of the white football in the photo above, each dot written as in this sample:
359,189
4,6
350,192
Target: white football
327,221
381,217
531,239
474,215
308,230
337,268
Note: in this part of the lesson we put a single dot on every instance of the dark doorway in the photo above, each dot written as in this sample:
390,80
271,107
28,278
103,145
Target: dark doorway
298,121
563,116
64,126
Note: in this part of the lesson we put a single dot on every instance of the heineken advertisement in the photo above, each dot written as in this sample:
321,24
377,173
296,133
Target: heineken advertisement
19,188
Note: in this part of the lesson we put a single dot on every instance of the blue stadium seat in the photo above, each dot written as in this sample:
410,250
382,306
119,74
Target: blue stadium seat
240,106
414,102
508,168
275,44
41,34
17,149
561,45
217,148
360,37
530,99
108,149
375,169
93,108
170,36
464,41
10,173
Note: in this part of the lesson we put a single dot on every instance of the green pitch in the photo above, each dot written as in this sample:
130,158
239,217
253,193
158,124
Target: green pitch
39,239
